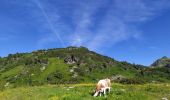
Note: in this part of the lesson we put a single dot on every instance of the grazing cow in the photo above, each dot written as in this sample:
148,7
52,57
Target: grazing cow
102,86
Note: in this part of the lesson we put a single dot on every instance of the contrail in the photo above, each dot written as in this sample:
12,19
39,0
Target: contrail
49,22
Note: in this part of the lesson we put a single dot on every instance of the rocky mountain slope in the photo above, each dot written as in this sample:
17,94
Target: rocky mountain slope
72,65
162,62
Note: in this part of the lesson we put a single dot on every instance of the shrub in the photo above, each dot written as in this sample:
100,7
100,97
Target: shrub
131,81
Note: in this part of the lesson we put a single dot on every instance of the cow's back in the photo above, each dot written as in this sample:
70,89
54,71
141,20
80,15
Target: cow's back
108,82
105,83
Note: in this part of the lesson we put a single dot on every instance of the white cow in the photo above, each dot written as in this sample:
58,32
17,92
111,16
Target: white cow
102,86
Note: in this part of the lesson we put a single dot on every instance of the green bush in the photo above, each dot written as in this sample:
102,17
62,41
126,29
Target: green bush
131,81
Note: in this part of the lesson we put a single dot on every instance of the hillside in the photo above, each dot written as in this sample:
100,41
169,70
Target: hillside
72,65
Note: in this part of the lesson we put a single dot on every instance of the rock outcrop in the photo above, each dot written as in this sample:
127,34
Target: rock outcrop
71,59
162,62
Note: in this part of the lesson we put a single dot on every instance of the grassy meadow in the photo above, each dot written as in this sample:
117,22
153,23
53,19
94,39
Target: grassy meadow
84,92
25,76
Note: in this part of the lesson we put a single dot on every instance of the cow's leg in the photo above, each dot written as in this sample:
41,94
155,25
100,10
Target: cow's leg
101,91
100,94
104,90
95,94
109,89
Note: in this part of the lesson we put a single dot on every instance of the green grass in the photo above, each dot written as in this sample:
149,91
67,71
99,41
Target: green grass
119,70
83,92
53,66
11,72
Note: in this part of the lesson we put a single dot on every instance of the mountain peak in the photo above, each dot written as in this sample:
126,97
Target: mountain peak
164,57
162,62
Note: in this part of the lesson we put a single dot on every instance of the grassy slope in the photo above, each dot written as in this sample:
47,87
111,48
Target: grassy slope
83,92
54,65
11,72
26,68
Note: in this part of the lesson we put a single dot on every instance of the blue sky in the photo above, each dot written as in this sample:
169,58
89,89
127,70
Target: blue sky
137,31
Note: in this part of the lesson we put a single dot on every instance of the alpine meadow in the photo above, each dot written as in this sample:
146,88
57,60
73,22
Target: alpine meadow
72,72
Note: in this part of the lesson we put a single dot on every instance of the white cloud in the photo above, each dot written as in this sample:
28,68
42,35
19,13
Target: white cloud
117,23
50,23
83,20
